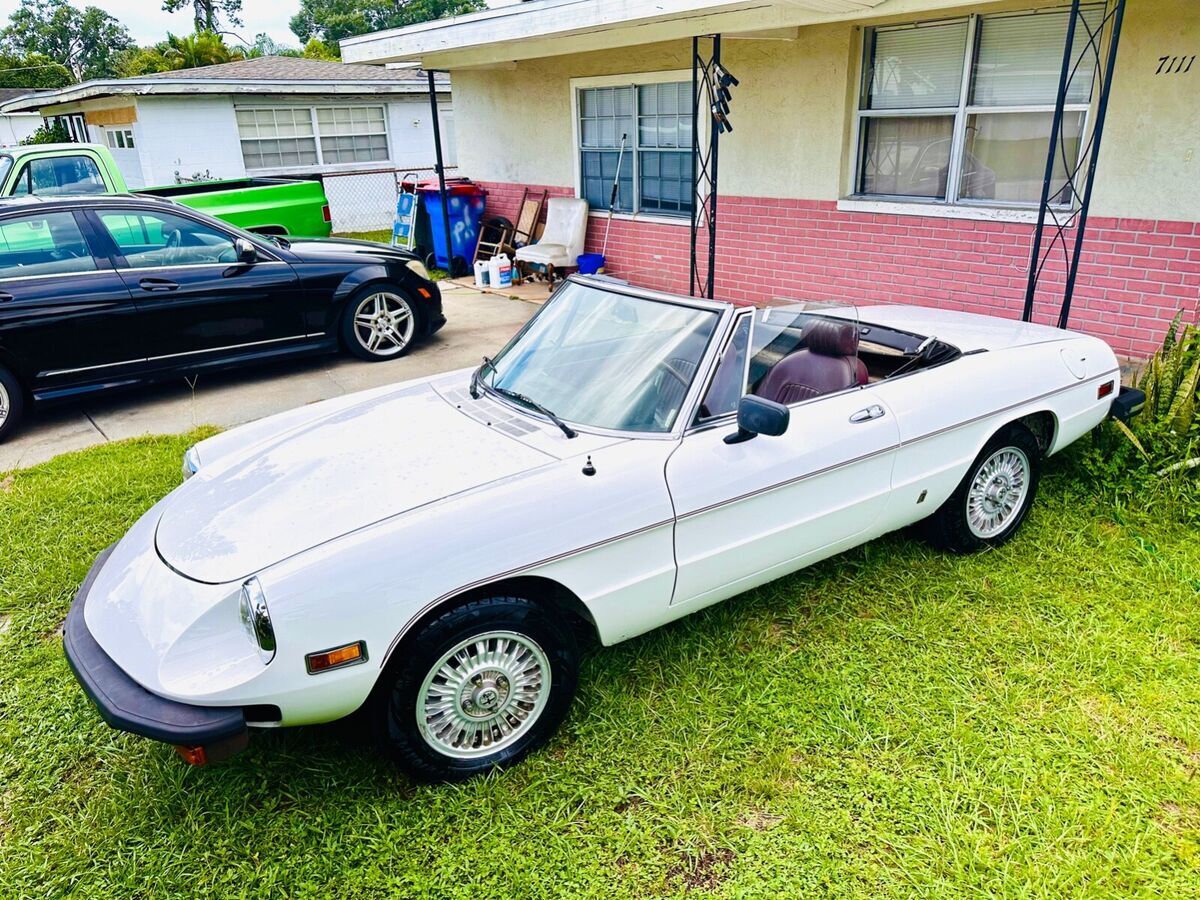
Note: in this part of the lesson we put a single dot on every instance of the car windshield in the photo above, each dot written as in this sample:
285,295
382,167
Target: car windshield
605,359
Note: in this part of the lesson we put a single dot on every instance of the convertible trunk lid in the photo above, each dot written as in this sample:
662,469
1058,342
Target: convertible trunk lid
345,471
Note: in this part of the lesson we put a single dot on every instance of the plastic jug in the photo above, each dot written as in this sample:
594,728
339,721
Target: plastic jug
500,271
481,273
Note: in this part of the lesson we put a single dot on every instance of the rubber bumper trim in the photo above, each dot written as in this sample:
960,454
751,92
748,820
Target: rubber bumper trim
126,705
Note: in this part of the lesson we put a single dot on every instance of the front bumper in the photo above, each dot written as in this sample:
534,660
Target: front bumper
202,733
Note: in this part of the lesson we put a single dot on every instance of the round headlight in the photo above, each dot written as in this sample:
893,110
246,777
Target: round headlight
418,267
256,619
191,463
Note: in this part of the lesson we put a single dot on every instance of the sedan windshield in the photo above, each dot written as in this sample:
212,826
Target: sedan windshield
605,359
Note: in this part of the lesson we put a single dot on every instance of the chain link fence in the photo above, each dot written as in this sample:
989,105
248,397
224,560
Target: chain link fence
366,200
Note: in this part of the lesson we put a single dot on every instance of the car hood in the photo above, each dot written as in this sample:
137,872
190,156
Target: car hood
314,249
361,464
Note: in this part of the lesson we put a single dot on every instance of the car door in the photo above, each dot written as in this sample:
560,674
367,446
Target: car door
752,511
66,316
197,301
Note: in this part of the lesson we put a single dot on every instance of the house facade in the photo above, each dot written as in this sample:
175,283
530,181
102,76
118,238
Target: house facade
352,126
882,150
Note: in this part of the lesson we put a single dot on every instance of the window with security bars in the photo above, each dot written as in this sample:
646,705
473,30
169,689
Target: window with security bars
288,137
655,121
960,111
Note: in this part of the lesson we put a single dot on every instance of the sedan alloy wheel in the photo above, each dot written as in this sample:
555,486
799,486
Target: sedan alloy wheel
384,324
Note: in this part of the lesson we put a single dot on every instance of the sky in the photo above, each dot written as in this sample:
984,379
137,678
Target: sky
149,24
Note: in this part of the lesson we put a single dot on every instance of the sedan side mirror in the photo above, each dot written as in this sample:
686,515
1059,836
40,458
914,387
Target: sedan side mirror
246,251
756,416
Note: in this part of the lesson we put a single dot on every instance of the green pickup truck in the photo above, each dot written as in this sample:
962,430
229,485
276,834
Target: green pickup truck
266,205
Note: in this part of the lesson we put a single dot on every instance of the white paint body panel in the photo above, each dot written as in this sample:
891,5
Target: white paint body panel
360,514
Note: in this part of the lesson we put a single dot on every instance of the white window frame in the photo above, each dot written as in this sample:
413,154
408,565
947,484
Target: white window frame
119,138
635,81
952,205
316,136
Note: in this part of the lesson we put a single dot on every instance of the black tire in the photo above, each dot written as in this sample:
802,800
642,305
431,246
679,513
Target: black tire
12,403
954,527
402,727
352,333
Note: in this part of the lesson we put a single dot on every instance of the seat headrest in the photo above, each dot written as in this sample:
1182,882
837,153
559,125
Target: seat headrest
829,337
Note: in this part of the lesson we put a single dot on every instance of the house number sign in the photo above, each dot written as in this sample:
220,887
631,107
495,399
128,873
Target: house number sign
1175,65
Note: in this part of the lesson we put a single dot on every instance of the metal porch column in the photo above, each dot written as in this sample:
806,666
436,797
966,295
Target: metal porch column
1100,49
441,173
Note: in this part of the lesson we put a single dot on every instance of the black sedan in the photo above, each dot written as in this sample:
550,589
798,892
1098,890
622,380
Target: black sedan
105,292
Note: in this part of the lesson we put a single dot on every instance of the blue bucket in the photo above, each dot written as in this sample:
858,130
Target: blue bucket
590,263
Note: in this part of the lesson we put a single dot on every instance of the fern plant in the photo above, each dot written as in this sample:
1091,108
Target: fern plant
1165,432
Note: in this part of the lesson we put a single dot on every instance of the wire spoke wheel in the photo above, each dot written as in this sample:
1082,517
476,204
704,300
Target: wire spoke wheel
5,404
384,323
483,695
998,492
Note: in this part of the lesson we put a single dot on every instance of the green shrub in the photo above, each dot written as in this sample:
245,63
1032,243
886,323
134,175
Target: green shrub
54,133
1156,457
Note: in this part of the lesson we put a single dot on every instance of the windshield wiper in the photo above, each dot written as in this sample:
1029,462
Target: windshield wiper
486,364
533,404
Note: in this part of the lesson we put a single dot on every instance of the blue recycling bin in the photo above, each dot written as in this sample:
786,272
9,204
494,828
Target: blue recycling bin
466,203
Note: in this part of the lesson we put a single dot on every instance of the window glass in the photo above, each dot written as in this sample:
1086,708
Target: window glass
277,137
163,239
46,244
911,68
352,134
1005,156
906,156
988,143
60,175
1019,60
729,382
655,121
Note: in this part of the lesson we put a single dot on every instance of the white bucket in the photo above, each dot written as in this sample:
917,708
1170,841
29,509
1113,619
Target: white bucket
481,274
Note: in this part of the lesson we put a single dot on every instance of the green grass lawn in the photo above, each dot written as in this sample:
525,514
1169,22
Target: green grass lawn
893,722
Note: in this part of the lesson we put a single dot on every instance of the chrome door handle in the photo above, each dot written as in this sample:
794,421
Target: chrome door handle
157,284
874,411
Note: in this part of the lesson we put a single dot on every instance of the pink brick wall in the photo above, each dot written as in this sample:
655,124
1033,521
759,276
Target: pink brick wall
1134,276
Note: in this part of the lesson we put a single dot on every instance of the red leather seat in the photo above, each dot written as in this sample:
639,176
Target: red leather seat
827,362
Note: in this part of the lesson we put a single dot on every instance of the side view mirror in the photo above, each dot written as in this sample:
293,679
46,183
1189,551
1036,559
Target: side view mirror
756,415
246,251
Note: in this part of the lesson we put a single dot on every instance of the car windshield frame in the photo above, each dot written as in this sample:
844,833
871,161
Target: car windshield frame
718,314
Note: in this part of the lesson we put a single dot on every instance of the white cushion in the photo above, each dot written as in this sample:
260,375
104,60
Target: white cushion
544,254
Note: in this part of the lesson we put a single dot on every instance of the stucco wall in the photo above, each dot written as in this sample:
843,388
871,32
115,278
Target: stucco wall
792,114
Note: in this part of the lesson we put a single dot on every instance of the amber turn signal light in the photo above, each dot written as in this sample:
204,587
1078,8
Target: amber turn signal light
193,756
336,658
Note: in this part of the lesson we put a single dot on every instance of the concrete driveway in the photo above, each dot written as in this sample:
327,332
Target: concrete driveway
476,324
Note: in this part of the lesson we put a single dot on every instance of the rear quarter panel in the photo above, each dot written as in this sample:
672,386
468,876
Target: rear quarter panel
947,414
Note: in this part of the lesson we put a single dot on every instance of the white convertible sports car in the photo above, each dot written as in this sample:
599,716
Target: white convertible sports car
432,552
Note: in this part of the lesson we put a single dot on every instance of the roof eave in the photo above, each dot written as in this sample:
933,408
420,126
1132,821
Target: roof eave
545,28
93,90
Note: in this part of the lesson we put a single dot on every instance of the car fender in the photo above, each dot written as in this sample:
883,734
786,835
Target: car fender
607,538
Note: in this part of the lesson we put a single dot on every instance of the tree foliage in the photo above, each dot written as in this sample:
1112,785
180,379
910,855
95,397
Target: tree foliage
86,41
333,20
32,70
207,14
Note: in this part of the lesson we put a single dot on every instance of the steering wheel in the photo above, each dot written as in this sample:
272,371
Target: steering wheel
174,246
65,253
